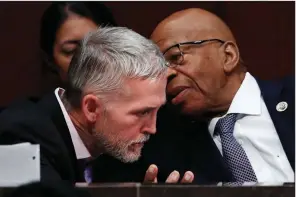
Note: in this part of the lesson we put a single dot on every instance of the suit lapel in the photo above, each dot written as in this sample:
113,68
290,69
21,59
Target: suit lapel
284,121
51,105
212,163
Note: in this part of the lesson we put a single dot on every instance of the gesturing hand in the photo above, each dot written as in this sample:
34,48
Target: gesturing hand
174,177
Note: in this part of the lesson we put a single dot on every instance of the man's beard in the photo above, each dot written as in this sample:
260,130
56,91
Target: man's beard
115,146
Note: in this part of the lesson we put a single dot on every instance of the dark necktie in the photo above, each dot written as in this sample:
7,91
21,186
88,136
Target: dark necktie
233,153
86,168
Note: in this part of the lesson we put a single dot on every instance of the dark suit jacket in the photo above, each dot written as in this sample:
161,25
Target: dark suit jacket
180,145
42,123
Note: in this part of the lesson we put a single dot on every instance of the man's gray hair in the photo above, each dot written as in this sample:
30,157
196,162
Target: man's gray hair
108,56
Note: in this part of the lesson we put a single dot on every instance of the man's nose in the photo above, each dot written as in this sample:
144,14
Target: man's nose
151,129
151,125
171,73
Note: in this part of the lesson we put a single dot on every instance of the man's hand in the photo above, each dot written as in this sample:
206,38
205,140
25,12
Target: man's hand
151,176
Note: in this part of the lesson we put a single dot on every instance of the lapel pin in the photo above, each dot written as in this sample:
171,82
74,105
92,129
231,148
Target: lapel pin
281,106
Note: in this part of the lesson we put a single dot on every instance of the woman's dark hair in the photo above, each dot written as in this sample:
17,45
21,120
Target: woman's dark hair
56,14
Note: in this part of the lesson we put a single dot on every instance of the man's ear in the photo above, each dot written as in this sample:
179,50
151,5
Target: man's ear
231,59
91,107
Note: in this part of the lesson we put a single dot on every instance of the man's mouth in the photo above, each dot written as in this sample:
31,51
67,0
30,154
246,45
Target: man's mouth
139,143
177,94
179,97
136,146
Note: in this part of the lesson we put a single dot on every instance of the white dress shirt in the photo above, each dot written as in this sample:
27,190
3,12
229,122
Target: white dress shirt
80,149
255,132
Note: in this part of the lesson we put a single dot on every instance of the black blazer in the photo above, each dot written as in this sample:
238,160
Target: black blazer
180,145
42,122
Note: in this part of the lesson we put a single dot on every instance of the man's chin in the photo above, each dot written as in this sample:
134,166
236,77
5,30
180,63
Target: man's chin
133,153
187,112
130,158
130,155
181,109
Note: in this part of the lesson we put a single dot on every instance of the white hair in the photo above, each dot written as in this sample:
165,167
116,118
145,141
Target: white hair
108,56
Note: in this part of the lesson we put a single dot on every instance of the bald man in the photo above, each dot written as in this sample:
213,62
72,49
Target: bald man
250,121
244,128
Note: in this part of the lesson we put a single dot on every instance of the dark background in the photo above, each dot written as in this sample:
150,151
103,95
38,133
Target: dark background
265,32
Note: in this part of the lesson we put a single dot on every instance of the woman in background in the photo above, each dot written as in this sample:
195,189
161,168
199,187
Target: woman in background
63,25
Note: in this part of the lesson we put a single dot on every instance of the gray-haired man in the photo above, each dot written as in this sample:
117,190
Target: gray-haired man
116,84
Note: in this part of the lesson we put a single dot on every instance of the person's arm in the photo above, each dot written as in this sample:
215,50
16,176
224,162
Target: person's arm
48,173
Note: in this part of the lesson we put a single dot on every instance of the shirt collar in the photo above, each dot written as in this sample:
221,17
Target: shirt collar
247,100
248,97
79,147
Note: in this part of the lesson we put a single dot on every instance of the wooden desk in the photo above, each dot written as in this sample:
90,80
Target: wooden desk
162,190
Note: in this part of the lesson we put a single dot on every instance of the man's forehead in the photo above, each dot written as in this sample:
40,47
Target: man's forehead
144,101
166,42
184,28
134,87
152,101
166,39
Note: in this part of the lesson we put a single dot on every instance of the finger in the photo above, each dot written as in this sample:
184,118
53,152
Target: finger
188,177
151,174
173,177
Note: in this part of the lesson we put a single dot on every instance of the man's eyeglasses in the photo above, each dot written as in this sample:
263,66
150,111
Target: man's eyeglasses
174,55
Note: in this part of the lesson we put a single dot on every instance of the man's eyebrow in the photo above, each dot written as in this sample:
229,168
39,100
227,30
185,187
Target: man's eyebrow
142,109
148,108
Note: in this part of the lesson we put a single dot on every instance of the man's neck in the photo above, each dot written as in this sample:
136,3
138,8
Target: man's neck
225,99
86,134
84,131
